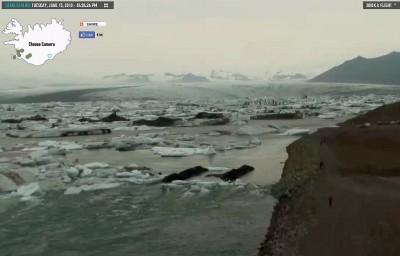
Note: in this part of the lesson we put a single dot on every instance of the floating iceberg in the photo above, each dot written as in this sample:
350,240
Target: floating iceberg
63,145
327,116
27,190
218,169
77,190
210,151
254,130
180,152
96,165
297,132
255,141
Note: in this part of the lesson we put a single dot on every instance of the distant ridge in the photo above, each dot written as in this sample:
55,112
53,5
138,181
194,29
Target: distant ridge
187,78
381,70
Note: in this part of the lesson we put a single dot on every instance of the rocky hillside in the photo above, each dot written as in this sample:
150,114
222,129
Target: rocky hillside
380,70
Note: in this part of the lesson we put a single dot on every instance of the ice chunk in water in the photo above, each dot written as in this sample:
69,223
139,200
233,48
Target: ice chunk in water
96,165
297,132
28,190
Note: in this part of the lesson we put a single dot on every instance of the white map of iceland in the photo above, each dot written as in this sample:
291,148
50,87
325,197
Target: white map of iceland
40,43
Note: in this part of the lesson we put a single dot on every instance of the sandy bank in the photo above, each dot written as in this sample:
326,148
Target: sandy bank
360,169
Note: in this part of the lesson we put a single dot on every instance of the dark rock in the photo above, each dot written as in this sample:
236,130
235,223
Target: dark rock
172,177
234,173
207,115
139,168
86,132
19,120
296,115
159,122
85,119
126,147
12,121
37,118
113,118
186,174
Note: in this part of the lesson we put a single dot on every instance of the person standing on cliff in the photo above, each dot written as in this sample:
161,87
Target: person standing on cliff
330,198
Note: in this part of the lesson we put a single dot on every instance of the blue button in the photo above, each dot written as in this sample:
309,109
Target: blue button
87,34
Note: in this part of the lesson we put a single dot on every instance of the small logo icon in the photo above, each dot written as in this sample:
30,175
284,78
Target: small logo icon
81,24
87,34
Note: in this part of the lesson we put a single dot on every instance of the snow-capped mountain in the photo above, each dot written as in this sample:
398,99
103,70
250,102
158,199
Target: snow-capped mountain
280,75
135,78
227,75
187,78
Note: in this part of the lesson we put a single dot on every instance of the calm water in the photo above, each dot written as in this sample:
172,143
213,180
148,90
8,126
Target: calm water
136,220
267,159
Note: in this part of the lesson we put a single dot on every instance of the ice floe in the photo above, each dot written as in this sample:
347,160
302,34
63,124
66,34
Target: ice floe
6,184
179,152
253,130
168,128
99,186
297,132
27,190
96,165
327,116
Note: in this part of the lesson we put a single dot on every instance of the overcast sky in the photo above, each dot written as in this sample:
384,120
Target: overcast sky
246,36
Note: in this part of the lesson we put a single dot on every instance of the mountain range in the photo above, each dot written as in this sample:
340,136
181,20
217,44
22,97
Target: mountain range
135,78
220,74
187,78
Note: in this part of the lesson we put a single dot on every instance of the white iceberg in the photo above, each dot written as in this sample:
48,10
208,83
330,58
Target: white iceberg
134,173
48,143
96,165
25,162
255,141
173,152
210,151
297,132
327,116
101,186
218,169
70,146
39,153
28,190
77,190
72,172
73,190
180,152
63,145
84,171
